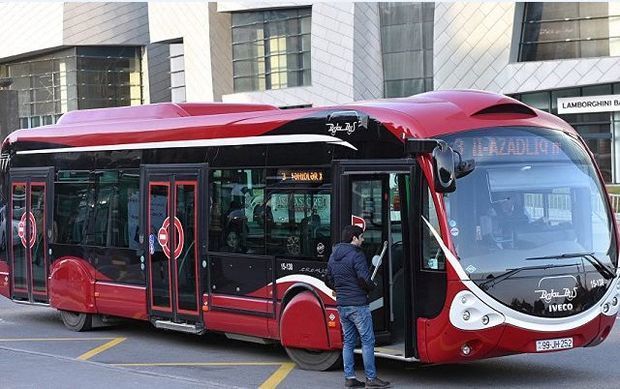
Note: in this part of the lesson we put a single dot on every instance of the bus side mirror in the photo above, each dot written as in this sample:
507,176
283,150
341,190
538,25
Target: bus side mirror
444,168
463,168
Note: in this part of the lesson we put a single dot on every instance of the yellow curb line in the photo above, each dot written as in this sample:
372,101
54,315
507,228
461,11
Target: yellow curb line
278,376
199,364
272,382
88,355
49,339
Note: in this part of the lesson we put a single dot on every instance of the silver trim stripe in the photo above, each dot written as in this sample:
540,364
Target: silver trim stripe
237,141
519,319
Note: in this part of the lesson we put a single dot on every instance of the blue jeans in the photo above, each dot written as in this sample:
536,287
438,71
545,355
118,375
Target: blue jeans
357,321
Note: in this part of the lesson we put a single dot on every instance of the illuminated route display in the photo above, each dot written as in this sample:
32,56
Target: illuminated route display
305,176
515,144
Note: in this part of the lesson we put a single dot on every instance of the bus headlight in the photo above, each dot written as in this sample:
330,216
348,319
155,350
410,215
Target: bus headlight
468,312
605,308
611,305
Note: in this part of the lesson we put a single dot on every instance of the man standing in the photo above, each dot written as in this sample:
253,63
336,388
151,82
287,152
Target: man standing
348,275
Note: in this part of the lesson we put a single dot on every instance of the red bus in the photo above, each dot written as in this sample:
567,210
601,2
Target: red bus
221,217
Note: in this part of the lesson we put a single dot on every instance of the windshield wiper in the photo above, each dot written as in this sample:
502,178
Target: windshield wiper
598,265
495,280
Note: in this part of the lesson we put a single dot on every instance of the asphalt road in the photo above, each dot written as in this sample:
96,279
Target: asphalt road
36,351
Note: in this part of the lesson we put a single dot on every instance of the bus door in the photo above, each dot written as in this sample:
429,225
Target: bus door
375,196
174,242
27,230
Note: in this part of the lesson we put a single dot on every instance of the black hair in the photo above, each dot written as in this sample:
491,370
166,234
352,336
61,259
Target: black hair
349,232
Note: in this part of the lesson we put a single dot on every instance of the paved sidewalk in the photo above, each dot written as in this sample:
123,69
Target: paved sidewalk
52,371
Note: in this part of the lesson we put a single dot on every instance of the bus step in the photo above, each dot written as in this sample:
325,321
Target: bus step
181,327
246,338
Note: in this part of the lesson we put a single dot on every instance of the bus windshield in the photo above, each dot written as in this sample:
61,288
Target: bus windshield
534,194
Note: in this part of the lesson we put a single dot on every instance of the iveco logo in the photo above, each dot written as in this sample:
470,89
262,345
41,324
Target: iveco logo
560,307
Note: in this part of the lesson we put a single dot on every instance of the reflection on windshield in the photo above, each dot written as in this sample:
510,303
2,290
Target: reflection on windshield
534,193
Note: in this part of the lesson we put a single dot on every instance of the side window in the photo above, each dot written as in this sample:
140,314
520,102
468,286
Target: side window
300,223
73,197
432,255
238,211
115,207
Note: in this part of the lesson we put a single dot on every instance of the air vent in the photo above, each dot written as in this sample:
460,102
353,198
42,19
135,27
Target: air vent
508,108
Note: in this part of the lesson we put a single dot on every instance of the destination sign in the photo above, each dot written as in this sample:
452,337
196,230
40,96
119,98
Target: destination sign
506,146
304,176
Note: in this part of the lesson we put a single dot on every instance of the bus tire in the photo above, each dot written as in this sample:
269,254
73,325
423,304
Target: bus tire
318,360
77,321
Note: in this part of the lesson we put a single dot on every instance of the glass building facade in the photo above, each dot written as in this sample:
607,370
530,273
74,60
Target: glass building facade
407,47
569,30
75,78
271,49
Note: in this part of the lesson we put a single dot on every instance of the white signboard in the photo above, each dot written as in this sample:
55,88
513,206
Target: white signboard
587,104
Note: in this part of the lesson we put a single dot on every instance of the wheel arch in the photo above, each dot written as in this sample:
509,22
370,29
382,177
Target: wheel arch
72,286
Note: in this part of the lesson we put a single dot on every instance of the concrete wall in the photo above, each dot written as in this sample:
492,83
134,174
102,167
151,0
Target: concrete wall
29,27
189,22
367,55
158,72
105,24
474,48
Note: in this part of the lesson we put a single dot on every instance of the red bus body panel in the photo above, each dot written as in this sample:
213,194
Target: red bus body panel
5,280
440,342
121,300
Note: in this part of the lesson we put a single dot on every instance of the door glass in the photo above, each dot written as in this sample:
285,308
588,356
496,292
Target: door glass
186,260
18,211
37,207
159,243
367,202
398,208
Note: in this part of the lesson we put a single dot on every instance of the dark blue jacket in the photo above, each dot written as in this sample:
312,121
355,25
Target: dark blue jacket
348,275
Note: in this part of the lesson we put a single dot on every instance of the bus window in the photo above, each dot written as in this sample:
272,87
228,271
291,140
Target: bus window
237,224
301,223
73,195
433,256
113,210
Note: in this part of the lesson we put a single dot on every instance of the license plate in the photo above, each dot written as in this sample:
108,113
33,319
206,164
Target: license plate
554,344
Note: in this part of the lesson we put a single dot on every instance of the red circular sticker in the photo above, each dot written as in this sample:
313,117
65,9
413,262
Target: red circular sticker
27,241
164,240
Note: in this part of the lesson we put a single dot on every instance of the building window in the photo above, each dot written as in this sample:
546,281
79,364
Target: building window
569,30
407,47
76,78
177,72
271,49
108,77
44,89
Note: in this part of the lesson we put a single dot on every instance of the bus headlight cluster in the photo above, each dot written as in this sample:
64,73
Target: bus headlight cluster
468,312
611,304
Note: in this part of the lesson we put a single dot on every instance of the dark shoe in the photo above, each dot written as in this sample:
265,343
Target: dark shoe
377,383
353,383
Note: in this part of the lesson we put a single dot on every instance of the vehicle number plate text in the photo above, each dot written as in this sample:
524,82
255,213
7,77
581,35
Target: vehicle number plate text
554,344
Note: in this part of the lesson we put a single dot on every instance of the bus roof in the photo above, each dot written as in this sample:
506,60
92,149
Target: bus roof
425,115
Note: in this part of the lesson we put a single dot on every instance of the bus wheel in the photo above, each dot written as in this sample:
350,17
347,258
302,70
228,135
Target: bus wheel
76,321
314,360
